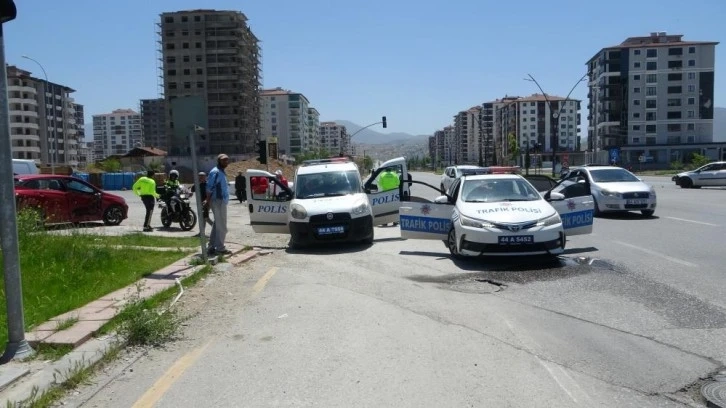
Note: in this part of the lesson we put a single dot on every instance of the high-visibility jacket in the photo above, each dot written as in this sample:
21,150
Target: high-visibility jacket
388,181
145,186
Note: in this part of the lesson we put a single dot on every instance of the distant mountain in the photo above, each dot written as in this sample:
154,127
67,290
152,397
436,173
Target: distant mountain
370,136
719,124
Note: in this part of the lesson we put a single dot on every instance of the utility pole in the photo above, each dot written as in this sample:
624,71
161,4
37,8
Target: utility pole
17,347
54,145
197,192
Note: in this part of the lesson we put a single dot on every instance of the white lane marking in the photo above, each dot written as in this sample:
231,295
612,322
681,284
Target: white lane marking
654,253
695,222
546,365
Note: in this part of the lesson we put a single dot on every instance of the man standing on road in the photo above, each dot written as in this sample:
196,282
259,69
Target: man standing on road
145,187
217,200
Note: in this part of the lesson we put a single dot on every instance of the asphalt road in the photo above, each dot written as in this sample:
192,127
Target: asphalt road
632,315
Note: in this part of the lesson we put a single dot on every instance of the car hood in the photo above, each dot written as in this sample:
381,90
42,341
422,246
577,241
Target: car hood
325,205
685,173
624,187
508,212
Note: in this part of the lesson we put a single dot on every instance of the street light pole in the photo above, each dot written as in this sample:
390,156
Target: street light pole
52,105
555,115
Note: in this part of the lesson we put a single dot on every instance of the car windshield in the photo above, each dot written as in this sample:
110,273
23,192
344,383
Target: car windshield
612,176
330,184
495,190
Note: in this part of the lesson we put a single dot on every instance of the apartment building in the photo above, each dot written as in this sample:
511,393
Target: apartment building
153,116
116,133
531,120
334,138
468,135
214,55
46,125
652,90
289,117
312,141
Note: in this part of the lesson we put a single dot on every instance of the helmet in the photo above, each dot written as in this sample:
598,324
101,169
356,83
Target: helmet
201,173
278,172
174,174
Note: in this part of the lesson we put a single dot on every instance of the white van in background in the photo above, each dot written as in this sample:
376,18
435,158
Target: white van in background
21,166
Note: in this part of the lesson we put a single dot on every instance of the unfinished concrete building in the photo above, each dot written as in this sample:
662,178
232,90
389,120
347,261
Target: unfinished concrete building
212,54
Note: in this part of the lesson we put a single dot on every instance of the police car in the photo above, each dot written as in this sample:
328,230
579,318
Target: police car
498,214
328,204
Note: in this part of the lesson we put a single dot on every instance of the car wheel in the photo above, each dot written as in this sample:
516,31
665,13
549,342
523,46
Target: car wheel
113,215
686,182
451,244
647,213
597,210
369,240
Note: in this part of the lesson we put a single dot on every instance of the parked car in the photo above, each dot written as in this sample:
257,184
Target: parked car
452,173
66,199
710,175
615,189
22,166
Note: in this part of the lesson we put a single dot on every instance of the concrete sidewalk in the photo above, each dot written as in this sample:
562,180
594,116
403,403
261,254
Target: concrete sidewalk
20,380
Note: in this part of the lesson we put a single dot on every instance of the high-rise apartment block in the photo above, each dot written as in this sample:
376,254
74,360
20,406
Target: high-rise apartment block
652,90
288,116
214,55
116,133
46,125
334,138
153,116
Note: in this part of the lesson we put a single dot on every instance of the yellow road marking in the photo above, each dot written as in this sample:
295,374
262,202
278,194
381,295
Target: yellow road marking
162,385
260,285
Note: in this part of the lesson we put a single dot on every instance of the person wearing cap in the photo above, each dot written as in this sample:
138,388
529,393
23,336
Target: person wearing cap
203,189
218,199
281,179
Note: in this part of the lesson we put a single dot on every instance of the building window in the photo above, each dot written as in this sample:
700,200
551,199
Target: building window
172,85
636,65
674,102
651,53
675,77
675,89
651,91
691,63
200,71
199,58
636,52
198,45
651,65
650,116
691,101
187,71
197,18
636,77
691,126
674,127
636,90
674,115
171,72
636,140
636,127
185,19
649,128
675,51
636,102
691,50
691,88
691,75
650,104
185,33
200,84
171,60
691,114
187,85
636,115
651,78
170,46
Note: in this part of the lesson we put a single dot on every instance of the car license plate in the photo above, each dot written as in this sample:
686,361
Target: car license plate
331,230
637,202
516,239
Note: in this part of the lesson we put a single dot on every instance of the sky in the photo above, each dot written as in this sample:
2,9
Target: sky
416,62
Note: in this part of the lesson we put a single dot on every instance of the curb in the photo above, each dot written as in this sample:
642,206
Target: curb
87,349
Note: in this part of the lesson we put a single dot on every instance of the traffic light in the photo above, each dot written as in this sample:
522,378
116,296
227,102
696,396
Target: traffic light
384,122
7,11
262,149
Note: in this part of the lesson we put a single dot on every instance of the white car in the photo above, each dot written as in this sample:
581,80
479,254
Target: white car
500,215
710,175
452,173
329,202
615,189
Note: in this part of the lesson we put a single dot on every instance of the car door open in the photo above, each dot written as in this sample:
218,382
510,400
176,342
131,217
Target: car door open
385,202
268,212
573,201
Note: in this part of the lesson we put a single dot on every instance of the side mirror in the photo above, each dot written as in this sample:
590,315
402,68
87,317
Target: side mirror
372,188
554,196
441,200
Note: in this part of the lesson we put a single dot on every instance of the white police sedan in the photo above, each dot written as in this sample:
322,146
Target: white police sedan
499,215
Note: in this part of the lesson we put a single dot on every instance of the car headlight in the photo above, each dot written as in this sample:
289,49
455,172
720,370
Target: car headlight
361,207
474,223
298,211
652,191
551,220
608,193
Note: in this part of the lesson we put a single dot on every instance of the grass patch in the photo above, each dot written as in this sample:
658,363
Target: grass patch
66,324
63,272
138,239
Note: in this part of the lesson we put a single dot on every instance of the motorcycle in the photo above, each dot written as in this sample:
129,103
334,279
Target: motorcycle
180,211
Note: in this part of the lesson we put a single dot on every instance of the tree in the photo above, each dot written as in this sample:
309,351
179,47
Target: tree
155,166
111,165
367,162
513,147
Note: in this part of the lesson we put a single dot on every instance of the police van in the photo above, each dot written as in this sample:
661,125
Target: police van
329,203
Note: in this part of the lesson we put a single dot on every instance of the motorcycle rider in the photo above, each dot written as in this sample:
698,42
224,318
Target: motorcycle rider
170,189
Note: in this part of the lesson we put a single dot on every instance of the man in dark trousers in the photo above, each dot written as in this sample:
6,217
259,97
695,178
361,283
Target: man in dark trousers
203,189
145,187
240,187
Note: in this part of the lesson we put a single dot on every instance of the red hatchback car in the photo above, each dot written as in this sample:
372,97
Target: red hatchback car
66,199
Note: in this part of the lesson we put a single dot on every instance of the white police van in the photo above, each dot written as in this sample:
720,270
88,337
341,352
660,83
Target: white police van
328,204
